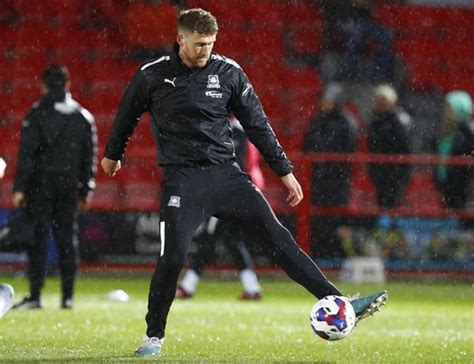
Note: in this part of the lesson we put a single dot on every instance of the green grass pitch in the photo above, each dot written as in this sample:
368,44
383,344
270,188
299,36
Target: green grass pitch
422,323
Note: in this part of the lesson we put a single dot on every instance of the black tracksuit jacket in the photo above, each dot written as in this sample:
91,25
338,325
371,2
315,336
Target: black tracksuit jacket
190,109
58,140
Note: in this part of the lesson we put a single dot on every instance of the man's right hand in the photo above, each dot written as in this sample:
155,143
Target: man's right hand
110,166
18,199
295,193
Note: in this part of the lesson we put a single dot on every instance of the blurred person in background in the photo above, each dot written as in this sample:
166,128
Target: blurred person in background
456,139
54,177
366,44
389,134
190,94
213,230
332,131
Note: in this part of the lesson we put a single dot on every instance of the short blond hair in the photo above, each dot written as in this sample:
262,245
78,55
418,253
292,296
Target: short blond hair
197,21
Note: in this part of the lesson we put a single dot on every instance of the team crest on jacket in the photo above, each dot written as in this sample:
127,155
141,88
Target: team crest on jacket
175,201
213,81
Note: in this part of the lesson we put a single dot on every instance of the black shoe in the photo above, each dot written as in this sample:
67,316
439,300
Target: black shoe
67,304
28,303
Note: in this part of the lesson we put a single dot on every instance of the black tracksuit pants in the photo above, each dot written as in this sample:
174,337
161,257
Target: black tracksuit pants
190,195
54,206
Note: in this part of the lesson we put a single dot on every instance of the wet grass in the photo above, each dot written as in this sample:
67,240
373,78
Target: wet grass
422,323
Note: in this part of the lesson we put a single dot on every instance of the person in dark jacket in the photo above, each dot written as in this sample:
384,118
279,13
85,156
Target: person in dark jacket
190,95
213,230
332,131
54,177
457,139
389,134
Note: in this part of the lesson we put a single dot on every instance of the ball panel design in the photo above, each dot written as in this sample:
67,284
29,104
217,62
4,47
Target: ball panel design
332,318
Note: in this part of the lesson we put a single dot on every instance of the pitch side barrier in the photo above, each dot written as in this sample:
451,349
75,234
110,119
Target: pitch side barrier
429,206
422,199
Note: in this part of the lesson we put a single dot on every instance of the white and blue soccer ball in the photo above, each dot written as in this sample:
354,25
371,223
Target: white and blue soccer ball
332,318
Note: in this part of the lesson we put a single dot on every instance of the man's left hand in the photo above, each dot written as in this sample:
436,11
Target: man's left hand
295,193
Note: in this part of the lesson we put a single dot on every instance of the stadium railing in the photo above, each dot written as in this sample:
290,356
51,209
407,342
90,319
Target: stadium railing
306,210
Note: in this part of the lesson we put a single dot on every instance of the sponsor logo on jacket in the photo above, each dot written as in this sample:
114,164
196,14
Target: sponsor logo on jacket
214,94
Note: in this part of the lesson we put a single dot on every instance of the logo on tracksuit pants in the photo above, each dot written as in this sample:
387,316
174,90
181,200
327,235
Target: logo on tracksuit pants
175,201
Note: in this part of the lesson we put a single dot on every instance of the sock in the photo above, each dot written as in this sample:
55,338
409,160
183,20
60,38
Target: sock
249,281
190,281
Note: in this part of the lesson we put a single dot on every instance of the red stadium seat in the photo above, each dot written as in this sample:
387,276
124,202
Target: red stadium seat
409,19
273,102
107,195
458,48
456,20
6,189
458,76
264,14
362,190
139,169
232,42
424,76
301,77
38,10
423,47
302,14
422,194
304,42
228,13
141,196
267,41
105,98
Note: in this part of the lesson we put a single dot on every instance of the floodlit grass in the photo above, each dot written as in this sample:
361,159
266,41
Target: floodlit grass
422,323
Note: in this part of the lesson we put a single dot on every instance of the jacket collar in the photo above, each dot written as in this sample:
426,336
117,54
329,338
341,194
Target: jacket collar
52,97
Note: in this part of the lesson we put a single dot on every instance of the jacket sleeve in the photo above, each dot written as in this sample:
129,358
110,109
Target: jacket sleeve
134,103
248,110
30,144
89,157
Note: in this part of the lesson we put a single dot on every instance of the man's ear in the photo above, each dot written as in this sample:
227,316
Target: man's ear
179,38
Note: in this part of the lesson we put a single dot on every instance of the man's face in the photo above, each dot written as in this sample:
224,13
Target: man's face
327,105
449,120
383,105
195,49
448,112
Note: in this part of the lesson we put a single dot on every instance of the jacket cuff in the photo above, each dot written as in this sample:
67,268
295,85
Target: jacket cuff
115,156
282,169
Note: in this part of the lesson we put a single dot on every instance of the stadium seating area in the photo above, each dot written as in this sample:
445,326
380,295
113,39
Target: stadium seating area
436,43
88,37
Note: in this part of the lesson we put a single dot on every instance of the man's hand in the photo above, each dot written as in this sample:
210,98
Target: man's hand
295,193
84,202
18,199
110,166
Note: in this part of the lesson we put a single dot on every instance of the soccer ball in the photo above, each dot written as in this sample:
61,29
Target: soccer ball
332,318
